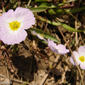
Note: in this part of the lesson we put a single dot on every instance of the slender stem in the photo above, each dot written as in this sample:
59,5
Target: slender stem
29,3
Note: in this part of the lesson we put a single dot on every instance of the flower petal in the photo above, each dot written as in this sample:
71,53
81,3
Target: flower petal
62,49
8,14
82,66
52,46
72,61
76,56
26,15
13,38
58,49
81,50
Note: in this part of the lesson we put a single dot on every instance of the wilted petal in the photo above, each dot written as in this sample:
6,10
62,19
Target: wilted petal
38,35
62,49
52,46
58,49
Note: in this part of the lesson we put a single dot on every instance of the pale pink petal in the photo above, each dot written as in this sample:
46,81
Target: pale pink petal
62,49
2,21
52,46
13,38
81,50
26,15
72,61
76,56
8,16
51,43
58,49
22,12
82,66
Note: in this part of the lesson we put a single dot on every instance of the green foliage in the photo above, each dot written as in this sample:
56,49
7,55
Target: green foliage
45,35
41,0
42,7
57,23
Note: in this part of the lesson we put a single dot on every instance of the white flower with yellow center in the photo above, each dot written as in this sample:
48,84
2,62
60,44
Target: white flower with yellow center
14,23
79,57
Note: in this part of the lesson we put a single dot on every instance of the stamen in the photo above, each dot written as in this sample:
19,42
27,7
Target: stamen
82,58
14,25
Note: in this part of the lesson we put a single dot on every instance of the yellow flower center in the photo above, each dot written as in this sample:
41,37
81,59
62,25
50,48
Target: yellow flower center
82,58
14,25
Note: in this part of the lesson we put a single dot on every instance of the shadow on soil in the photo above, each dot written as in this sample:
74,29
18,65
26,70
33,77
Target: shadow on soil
26,67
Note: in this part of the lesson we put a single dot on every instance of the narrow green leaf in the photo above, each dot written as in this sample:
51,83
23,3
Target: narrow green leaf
44,5
45,35
39,9
51,12
65,26
42,8
41,0
69,28
75,10
58,10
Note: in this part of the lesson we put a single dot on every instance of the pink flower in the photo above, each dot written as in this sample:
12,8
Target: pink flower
79,57
58,49
13,25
